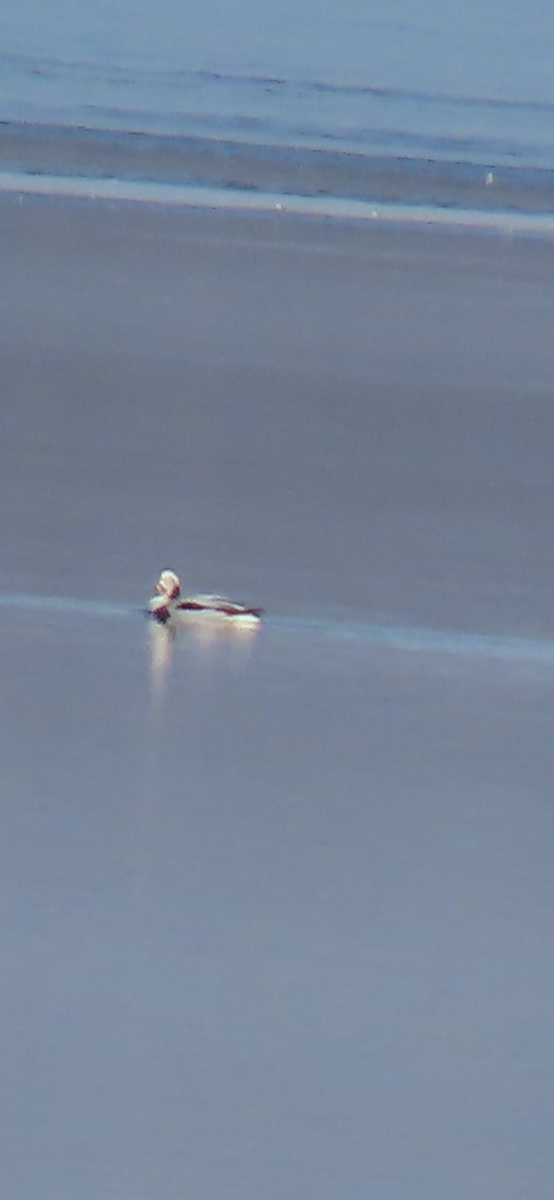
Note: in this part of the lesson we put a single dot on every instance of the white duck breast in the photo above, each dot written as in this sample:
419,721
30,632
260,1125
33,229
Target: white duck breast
169,605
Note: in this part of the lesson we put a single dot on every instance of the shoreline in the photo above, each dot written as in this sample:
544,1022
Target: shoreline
216,173
507,222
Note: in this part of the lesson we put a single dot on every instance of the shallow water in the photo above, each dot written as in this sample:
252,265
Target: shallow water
276,916
353,422
277,911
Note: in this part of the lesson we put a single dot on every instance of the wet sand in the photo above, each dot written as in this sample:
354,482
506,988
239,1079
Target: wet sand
277,913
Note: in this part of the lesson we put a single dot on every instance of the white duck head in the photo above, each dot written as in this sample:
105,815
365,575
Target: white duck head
169,585
168,590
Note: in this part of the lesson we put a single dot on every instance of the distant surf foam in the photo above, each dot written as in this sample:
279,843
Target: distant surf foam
504,221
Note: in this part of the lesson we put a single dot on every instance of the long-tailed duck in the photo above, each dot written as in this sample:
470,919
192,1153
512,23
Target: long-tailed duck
169,606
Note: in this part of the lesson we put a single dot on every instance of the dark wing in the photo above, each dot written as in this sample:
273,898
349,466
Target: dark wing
217,604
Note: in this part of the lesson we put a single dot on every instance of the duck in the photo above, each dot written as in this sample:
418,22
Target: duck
169,607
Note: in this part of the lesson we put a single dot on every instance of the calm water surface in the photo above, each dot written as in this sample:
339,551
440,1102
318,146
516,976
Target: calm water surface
276,913
277,917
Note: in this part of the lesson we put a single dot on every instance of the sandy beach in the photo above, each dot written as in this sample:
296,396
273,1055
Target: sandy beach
277,913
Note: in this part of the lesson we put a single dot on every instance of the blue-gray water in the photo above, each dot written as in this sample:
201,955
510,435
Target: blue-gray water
467,83
276,913
278,924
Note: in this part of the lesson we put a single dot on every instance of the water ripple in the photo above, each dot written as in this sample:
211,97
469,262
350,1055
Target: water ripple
399,637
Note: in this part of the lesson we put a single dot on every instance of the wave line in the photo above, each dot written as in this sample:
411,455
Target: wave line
186,78
503,221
